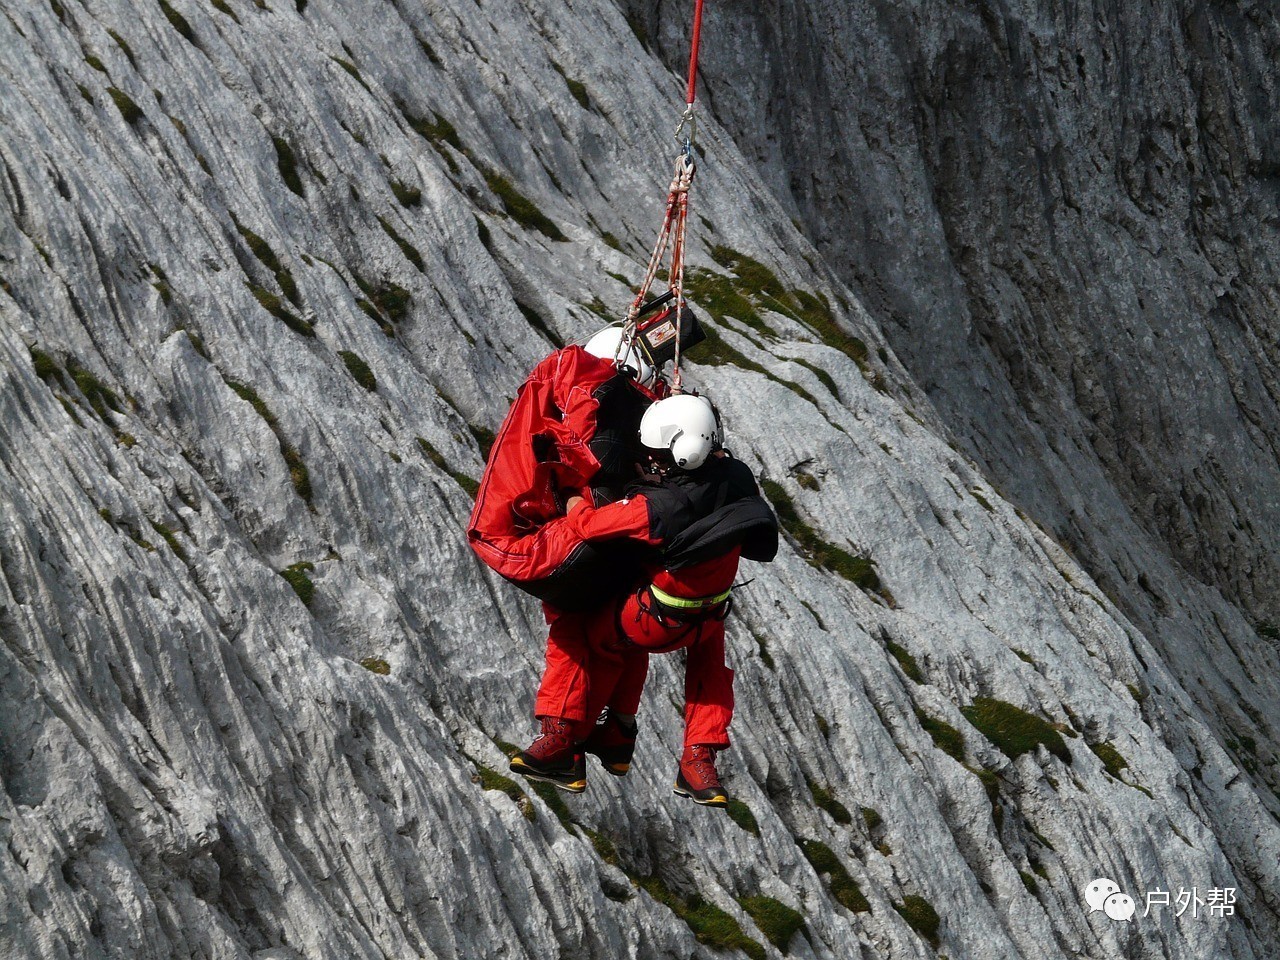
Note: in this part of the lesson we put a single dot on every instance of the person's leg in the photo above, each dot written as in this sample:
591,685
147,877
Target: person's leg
563,689
708,690
561,707
618,672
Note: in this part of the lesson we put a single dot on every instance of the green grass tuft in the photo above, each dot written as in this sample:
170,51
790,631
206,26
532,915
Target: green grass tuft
178,21
223,7
267,256
407,195
520,208
389,299
823,377
710,925
436,457
842,886
576,88
101,397
167,534
274,306
376,665
1110,757
484,437
296,576
552,797
741,814
359,370
539,323
437,132
409,250
124,48
131,112
46,367
353,71
945,737
921,917
858,570
298,473
492,780
287,164
778,922
1013,730
825,801
906,661
871,817
722,297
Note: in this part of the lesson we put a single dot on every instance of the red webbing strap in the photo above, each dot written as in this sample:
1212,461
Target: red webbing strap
693,52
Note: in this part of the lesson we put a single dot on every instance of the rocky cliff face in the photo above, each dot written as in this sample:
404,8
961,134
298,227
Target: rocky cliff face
271,273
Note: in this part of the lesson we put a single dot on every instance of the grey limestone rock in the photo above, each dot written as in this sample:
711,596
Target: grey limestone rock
253,684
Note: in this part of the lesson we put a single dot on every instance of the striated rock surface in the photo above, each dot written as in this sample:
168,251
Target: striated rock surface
271,273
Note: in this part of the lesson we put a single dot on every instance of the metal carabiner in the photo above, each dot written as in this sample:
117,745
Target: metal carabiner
688,120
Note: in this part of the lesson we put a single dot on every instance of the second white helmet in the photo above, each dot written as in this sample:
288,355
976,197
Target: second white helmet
608,344
685,425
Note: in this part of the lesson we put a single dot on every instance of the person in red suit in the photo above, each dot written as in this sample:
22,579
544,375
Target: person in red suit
572,432
696,512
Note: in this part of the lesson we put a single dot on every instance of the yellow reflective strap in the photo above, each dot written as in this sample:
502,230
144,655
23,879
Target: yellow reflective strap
684,603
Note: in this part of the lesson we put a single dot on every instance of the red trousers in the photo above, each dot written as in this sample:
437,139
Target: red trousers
601,658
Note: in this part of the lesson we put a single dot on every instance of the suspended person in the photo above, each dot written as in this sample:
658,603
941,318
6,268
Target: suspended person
572,431
696,511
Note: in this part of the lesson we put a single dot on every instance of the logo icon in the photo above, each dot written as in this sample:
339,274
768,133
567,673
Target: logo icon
1096,893
1119,906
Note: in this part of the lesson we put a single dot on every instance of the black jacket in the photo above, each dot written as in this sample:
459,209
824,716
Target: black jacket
703,513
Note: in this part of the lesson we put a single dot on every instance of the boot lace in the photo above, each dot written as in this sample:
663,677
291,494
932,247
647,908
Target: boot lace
702,765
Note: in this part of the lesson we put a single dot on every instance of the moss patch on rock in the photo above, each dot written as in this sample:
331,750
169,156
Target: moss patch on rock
1111,758
921,917
777,921
710,924
741,814
298,473
858,570
825,801
1014,731
436,457
520,208
359,370
410,252
296,576
131,112
842,886
905,660
287,164
945,737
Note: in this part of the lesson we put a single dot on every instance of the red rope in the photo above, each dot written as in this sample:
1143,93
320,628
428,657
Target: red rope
672,234
693,52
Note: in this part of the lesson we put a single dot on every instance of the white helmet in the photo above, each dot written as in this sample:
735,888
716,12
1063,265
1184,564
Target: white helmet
608,344
684,424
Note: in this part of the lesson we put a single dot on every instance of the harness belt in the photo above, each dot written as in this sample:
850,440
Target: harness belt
688,603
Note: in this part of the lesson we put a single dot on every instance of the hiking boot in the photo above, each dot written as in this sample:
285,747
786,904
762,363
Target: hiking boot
613,742
554,757
697,778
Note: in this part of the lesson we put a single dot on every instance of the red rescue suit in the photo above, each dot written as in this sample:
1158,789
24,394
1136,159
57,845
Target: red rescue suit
682,606
567,431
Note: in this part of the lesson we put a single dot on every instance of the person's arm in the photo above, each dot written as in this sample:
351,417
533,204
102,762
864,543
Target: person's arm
626,518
